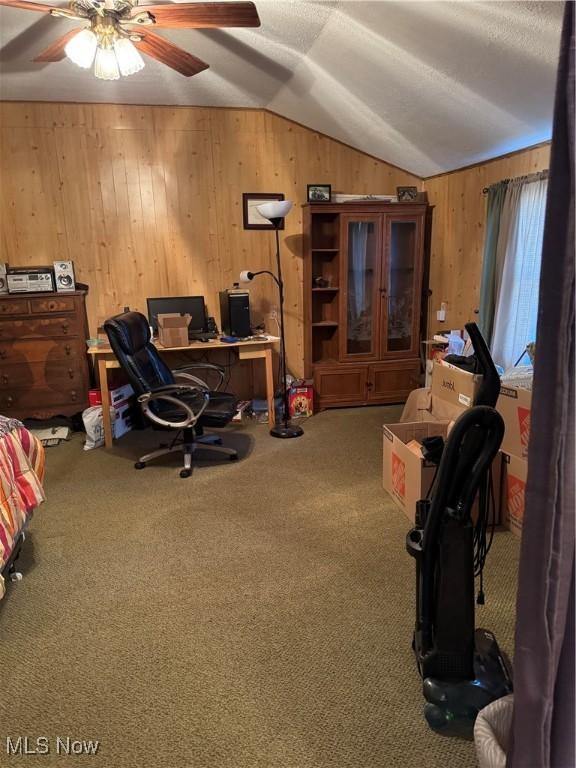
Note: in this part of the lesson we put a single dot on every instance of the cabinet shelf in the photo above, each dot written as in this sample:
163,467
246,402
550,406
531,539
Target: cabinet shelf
325,290
325,250
325,324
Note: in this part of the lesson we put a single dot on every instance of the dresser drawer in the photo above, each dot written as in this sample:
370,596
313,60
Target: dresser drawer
52,304
40,350
49,375
13,307
38,327
33,403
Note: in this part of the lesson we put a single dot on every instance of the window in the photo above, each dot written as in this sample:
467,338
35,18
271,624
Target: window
518,260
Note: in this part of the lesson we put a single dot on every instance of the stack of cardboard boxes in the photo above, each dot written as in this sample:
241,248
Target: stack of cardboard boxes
429,412
514,405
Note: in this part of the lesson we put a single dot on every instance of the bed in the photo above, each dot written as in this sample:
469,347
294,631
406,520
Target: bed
21,491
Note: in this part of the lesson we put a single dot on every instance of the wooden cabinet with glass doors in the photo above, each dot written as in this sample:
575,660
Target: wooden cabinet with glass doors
362,300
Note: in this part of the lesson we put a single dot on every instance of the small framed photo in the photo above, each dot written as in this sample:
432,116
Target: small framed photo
319,193
407,194
252,219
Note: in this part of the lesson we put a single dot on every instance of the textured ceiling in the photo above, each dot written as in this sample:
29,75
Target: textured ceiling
429,86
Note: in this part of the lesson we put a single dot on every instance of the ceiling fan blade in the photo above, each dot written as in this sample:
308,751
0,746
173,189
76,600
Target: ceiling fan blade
202,15
168,53
55,51
25,5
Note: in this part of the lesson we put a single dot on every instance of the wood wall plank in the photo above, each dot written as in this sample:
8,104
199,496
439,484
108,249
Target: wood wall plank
458,226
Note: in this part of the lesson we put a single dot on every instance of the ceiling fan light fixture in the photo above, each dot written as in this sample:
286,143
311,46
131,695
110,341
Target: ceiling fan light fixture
129,60
81,49
106,64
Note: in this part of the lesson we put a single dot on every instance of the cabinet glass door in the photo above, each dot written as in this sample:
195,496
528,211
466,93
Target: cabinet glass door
400,290
361,271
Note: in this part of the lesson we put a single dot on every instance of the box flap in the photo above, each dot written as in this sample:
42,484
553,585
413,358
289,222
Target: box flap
174,320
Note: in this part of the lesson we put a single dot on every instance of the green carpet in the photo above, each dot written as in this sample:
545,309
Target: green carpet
256,615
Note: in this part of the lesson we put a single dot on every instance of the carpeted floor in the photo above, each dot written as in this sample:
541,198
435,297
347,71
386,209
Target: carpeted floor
257,615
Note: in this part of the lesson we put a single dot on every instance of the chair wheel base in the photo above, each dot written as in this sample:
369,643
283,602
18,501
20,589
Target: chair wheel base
139,465
185,472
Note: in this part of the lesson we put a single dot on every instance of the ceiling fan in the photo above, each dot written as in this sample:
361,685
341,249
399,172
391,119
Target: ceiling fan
119,29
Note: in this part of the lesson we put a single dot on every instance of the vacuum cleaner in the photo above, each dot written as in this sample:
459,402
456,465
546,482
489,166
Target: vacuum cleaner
462,668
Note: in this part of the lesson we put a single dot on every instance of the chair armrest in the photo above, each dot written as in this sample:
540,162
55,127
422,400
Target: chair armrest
188,377
169,393
202,366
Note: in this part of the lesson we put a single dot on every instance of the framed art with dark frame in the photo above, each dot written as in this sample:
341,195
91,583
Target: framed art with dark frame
252,219
319,193
407,194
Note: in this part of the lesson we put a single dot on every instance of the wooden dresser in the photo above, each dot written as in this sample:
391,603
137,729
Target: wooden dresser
43,362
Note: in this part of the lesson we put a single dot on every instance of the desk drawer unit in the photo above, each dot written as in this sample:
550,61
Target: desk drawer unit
43,363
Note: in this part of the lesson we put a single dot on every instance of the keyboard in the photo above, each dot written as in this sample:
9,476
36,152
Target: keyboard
203,335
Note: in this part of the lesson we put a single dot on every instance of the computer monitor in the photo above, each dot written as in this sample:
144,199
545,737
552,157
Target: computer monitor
183,305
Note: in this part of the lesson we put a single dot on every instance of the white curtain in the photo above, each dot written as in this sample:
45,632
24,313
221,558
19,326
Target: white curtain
519,255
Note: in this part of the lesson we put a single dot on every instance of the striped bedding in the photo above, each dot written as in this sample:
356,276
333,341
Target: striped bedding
21,476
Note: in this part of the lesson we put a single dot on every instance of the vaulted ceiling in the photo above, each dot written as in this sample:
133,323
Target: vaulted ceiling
429,86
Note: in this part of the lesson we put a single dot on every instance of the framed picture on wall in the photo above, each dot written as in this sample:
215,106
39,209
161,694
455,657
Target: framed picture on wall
252,219
319,193
407,194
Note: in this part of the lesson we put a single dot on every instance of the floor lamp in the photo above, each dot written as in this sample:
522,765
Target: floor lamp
275,212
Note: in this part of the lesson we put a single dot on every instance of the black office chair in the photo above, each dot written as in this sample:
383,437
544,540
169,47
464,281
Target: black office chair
187,407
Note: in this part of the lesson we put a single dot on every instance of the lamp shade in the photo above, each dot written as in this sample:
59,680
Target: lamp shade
81,48
276,209
246,276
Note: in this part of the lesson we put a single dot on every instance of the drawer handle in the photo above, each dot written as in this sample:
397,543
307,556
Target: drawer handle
73,396
9,400
70,373
4,379
67,349
51,305
3,354
65,327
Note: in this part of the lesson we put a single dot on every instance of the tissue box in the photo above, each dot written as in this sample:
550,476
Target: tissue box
173,329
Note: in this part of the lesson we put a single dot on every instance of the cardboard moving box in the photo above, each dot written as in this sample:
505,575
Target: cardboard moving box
515,474
454,385
514,405
407,476
422,405
173,329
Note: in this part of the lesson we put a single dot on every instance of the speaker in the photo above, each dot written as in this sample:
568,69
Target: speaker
235,313
64,276
3,279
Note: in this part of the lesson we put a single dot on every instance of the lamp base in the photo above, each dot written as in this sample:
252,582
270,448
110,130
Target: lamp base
286,430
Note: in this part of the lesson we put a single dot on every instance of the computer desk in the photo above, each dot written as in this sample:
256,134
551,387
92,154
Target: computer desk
105,359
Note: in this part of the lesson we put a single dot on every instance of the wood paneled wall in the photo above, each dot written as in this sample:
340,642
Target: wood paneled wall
147,201
458,225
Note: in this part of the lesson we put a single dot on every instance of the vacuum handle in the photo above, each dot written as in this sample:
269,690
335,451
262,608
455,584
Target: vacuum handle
490,388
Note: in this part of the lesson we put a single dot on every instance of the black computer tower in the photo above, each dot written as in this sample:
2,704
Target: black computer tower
235,313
